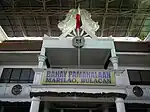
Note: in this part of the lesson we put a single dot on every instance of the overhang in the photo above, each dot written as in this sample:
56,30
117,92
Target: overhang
68,57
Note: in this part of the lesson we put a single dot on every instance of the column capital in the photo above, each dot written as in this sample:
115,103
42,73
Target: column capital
41,58
35,104
120,106
114,59
35,99
119,72
119,100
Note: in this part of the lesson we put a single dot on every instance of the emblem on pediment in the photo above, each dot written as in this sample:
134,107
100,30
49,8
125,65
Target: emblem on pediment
68,25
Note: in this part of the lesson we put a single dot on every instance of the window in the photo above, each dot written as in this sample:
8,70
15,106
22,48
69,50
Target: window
134,77
145,75
6,75
139,77
25,74
17,75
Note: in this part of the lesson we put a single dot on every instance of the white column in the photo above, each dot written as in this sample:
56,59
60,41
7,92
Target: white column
41,58
46,106
41,61
120,105
114,61
61,110
105,108
35,104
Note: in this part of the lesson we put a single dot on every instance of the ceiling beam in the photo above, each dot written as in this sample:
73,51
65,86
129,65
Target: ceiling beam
38,25
143,21
55,24
35,30
120,6
116,22
35,20
104,17
129,26
11,25
60,9
60,4
132,18
90,6
44,4
8,21
22,27
48,25
7,8
141,26
75,3
51,11
64,12
47,17
13,4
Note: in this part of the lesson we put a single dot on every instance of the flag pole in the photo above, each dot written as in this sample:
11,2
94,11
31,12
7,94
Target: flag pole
78,21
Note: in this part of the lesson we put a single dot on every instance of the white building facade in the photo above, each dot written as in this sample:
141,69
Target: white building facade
80,73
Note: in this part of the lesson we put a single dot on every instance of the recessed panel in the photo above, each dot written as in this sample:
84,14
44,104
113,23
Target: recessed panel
62,57
19,59
94,56
134,60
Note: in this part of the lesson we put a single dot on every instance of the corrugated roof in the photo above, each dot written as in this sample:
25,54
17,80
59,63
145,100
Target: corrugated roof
38,17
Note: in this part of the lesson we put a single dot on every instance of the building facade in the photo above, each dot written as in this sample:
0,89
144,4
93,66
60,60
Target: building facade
75,74
23,87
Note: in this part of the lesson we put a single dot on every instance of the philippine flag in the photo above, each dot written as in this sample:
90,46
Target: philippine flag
78,20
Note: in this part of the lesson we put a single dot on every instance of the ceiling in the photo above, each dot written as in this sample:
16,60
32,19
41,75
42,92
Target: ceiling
68,57
34,18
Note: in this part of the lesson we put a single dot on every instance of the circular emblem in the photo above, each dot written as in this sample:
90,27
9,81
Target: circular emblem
16,90
138,91
78,42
